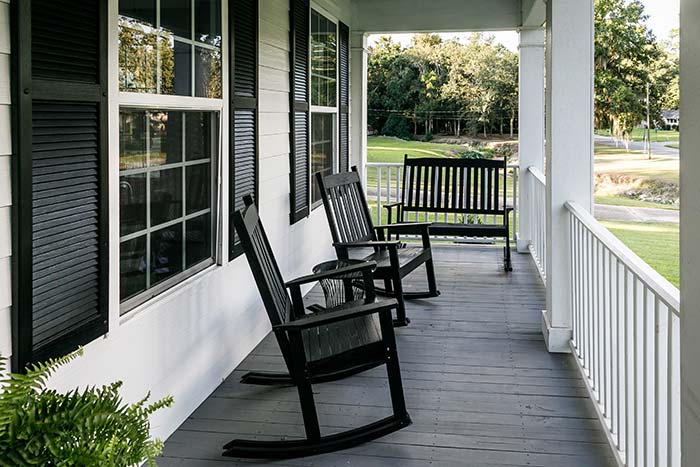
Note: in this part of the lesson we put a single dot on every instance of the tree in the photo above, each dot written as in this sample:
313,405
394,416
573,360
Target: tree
447,82
625,54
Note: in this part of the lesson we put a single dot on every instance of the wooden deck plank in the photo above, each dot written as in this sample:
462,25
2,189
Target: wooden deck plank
480,386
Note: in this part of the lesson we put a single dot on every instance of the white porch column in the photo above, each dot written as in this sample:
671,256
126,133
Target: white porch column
690,233
530,124
569,150
358,100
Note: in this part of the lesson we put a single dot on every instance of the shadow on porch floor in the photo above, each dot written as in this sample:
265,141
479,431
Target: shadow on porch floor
480,386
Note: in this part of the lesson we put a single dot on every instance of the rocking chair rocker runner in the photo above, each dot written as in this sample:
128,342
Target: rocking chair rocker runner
356,336
351,228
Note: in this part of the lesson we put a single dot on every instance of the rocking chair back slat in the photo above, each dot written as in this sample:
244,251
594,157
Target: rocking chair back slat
263,265
349,218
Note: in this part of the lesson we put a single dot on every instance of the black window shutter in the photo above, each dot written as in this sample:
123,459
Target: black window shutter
244,110
60,177
344,81
299,110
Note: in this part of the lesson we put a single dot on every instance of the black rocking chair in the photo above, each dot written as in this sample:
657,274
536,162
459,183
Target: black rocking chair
357,335
351,227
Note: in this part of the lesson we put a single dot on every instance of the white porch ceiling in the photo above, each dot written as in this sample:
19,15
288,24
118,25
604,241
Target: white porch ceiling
401,16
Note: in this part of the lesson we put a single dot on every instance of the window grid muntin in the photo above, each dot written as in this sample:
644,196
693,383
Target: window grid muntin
152,290
162,34
316,109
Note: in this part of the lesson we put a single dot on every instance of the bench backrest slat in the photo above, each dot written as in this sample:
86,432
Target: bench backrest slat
466,186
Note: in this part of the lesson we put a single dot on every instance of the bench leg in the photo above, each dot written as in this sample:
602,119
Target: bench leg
507,264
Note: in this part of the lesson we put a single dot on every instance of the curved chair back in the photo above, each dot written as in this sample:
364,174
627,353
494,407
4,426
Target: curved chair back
262,263
346,207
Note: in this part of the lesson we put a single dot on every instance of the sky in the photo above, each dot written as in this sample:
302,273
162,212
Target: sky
663,16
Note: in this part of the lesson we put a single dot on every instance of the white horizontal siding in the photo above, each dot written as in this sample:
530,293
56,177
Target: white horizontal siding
5,183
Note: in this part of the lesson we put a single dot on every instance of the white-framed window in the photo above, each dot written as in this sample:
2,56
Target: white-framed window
324,98
170,111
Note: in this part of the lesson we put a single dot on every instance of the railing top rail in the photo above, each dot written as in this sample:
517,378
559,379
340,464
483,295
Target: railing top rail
539,176
659,285
384,164
400,164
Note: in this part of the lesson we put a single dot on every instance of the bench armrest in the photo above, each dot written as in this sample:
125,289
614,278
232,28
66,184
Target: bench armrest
392,205
371,265
325,318
368,244
398,205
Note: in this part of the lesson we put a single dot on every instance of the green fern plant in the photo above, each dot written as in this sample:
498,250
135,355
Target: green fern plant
94,427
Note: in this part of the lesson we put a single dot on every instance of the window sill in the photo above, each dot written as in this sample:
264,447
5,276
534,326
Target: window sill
167,294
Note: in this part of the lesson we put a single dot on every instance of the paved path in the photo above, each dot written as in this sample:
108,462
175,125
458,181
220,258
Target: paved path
635,214
657,149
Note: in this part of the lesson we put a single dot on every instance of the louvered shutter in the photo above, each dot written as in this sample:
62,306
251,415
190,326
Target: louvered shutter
344,82
299,110
244,114
60,179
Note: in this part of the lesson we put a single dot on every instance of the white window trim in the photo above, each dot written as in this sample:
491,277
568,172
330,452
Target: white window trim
325,109
117,100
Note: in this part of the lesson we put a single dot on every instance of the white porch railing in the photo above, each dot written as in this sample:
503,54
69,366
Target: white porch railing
538,223
384,180
626,339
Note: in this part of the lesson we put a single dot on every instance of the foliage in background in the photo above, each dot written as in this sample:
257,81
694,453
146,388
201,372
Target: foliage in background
628,59
42,427
448,86
470,86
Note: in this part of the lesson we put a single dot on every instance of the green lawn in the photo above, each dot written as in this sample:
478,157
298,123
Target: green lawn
384,149
657,136
657,244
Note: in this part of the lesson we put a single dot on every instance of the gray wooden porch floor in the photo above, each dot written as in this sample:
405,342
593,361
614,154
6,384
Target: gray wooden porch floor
480,386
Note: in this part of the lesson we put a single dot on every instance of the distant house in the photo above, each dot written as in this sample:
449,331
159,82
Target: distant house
671,119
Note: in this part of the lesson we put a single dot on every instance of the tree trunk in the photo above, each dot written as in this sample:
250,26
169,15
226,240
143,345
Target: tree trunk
484,129
512,121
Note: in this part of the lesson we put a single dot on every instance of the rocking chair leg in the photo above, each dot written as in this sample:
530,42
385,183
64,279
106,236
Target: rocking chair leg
432,283
401,318
393,370
308,411
388,287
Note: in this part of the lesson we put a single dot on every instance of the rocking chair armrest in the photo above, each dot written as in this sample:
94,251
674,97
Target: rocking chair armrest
369,244
404,227
308,279
322,319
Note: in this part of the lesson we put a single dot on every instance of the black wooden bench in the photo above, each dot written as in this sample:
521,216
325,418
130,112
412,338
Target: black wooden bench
464,190
320,346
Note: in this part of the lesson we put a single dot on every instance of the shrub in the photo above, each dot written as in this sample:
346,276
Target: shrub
473,154
42,427
428,137
396,126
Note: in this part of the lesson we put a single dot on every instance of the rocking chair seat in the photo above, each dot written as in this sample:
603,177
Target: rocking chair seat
410,258
332,340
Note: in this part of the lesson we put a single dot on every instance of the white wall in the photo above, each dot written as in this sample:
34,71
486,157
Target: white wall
186,341
5,182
